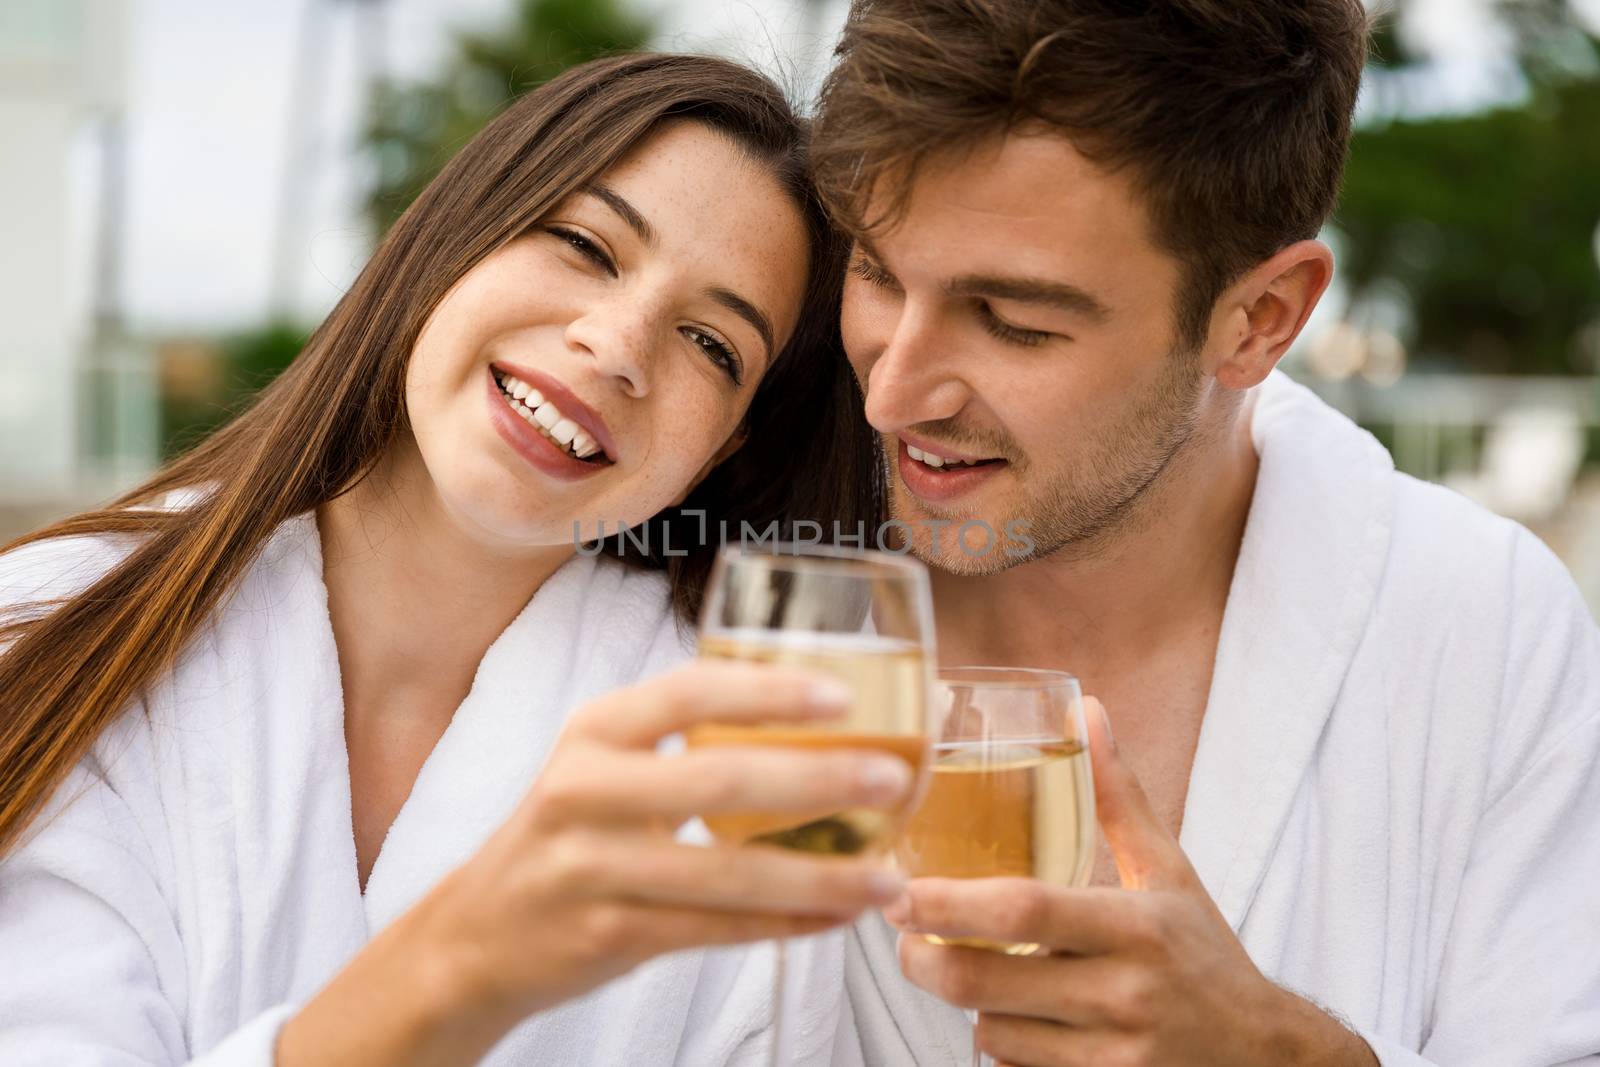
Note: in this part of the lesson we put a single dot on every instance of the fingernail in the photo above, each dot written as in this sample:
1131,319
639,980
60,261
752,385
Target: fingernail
887,887
886,777
829,696
1105,720
898,913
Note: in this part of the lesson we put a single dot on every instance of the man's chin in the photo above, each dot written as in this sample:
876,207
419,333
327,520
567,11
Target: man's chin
970,545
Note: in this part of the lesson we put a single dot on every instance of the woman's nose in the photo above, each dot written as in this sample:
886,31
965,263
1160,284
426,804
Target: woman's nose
620,338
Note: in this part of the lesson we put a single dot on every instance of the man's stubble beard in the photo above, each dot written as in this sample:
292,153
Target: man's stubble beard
1112,495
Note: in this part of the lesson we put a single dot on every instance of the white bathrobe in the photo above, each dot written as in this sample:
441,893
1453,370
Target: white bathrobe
195,881
1395,800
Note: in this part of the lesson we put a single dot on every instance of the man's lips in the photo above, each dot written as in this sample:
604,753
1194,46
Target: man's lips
944,451
942,485
566,401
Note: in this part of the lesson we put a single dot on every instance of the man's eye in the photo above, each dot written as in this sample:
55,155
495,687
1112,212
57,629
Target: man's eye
871,273
1014,335
585,247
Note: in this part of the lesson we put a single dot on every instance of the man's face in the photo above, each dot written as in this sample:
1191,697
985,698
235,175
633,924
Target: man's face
1020,314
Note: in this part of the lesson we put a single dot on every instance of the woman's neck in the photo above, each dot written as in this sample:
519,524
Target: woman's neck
415,601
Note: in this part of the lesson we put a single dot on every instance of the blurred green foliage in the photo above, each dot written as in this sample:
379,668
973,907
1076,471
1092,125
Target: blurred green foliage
416,128
1486,222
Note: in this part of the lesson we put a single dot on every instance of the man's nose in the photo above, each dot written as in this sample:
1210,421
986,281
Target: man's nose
916,377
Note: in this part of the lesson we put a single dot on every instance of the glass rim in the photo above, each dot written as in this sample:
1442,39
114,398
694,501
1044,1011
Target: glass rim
788,555
1006,678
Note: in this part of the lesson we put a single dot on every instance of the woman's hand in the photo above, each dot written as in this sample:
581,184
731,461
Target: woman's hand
585,880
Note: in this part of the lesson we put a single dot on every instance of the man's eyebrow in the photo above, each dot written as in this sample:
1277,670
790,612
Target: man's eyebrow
1023,290
746,311
1032,291
629,214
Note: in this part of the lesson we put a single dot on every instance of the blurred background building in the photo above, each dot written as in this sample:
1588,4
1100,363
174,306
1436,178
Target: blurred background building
186,188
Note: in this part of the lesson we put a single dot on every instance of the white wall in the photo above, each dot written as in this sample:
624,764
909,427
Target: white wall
60,68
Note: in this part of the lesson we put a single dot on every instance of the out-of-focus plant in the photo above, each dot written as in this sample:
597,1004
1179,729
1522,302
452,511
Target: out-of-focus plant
417,127
1486,221
206,383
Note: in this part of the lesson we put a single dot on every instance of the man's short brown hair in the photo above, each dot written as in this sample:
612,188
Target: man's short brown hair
1232,116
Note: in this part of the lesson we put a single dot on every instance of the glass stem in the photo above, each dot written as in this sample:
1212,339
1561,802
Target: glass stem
978,1058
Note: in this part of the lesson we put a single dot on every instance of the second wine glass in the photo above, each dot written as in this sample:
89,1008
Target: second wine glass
1012,794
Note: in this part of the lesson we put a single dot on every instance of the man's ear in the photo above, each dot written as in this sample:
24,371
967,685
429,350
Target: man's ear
734,442
1267,309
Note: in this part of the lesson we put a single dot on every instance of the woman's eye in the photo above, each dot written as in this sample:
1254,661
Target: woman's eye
584,247
720,354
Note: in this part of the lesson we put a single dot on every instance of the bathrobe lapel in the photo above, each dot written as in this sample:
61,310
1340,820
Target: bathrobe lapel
1303,590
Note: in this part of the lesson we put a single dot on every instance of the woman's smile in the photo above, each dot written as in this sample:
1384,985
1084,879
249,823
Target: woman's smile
541,430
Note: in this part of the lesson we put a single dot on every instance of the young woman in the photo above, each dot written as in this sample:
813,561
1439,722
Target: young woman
270,721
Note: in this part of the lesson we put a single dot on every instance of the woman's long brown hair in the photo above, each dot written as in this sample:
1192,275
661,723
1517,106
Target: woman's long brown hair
67,672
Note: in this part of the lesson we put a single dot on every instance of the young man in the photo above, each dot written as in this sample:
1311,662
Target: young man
1356,718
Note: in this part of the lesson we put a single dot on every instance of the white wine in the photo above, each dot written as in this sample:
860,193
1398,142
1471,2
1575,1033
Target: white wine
853,831
888,681
1003,809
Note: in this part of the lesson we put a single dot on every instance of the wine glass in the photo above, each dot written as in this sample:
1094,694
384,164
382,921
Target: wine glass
1011,793
865,618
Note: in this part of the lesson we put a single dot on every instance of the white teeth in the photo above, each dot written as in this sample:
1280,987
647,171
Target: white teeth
529,403
521,390
937,462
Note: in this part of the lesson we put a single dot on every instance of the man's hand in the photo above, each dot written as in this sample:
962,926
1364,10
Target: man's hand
1149,974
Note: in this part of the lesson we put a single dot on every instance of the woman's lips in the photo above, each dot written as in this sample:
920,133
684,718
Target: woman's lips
532,445
567,401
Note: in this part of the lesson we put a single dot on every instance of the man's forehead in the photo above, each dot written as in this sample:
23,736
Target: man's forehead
1027,188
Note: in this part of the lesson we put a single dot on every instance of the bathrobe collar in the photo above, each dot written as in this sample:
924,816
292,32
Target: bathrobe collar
1303,590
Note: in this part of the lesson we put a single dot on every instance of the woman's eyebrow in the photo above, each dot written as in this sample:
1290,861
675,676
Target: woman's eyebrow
746,311
729,299
626,211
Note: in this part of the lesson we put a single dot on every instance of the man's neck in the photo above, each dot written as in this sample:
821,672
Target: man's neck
1162,582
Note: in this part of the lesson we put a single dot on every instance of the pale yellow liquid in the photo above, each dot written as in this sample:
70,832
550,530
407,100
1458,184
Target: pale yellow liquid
888,681
1004,809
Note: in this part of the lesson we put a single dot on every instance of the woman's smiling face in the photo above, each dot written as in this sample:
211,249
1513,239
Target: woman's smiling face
594,368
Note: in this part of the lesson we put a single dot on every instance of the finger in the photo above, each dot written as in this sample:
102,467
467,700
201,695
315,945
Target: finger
1147,855
1023,911
1077,991
753,880
668,929
712,781
709,691
1025,1042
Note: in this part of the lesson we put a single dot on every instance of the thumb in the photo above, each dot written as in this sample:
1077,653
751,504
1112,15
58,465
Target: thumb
1148,857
